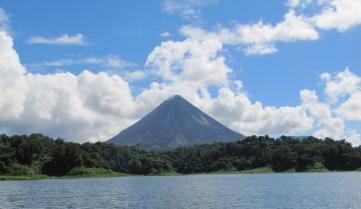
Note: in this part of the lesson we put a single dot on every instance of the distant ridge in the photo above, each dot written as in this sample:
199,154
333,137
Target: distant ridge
175,123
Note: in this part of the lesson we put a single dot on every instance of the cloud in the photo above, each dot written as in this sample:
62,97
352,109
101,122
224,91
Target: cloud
293,3
188,9
341,15
80,107
328,125
340,84
191,61
260,49
343,103
351,108
343,90
338,14
261,38
109,61
12,84
165,34
64,39
240,113
299,3
136,75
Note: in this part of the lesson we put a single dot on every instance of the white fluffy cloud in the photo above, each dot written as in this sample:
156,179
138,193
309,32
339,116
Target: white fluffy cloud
338,14
343,104
64,39
191,61
327,124
12,84
351,108
237,111
260,38
341,84
343,91
81,107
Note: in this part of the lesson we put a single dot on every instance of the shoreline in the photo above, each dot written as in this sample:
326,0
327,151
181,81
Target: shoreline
262,170
45,177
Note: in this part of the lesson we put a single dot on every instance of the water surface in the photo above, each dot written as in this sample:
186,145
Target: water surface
286,190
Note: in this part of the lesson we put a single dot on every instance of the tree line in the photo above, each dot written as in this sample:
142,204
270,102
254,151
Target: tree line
39,154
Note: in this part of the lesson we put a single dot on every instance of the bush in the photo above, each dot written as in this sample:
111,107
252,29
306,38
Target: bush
19,170
81,171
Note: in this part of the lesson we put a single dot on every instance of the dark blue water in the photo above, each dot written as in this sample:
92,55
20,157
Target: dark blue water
290,190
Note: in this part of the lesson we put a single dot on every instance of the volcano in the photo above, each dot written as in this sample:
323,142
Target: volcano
175,123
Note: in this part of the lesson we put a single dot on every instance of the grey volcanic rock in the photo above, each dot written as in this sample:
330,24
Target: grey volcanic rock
175,123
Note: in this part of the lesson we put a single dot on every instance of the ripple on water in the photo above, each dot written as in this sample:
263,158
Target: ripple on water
290,190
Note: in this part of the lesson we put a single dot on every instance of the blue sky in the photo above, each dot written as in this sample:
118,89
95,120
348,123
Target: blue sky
127,32
131,29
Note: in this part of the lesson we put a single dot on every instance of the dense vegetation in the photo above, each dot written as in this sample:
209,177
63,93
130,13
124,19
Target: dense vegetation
37,154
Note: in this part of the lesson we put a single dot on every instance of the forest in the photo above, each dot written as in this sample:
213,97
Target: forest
36,154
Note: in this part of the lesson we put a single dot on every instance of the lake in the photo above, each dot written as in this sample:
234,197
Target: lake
281,190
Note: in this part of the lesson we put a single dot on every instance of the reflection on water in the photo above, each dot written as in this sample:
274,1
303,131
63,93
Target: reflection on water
289,190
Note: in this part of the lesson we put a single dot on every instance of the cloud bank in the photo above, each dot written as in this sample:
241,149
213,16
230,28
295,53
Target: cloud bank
96,106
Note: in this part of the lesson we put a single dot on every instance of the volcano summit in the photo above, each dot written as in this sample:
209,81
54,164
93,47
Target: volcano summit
175,123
